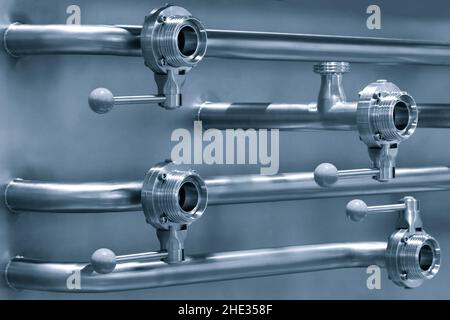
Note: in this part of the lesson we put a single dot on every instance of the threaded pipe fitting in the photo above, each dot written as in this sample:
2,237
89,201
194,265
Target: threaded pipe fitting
170,196
385,115
172,38
331,67
412,259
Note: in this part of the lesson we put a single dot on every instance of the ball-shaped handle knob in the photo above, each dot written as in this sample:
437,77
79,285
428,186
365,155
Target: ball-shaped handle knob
326,174
357,210
101,100
103,261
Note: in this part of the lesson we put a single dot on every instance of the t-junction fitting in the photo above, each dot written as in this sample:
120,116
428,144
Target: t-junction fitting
385,116
173,42
412,255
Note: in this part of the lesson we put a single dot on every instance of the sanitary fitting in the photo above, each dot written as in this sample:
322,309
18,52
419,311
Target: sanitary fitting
331,93
172,42
412,255
172,199
385,117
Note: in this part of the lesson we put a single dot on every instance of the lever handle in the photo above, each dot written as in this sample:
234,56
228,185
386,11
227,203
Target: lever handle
102,100
105,260
357,209
326,174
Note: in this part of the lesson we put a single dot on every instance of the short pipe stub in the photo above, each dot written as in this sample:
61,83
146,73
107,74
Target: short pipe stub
172,197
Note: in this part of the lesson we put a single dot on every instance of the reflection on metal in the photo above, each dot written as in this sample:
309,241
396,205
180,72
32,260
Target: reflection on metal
34,196
23,40
29,274
413,256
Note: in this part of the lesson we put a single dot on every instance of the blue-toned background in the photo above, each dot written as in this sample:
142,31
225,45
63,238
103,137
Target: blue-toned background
48,132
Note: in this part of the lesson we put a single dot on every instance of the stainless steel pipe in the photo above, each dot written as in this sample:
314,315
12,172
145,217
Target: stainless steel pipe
22,39
223,115
23,195
32,196
47,276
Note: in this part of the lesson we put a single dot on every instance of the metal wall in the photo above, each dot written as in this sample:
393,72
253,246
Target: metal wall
49,133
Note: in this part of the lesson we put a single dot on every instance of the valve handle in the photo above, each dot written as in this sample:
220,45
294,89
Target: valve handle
357,209
105,260
326,174
102,100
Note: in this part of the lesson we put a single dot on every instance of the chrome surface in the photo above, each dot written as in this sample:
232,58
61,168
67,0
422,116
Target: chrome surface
29,274
22,39
105,261
306,47
102,100
171,197
33,196
39,196
412,256
297,116
124,40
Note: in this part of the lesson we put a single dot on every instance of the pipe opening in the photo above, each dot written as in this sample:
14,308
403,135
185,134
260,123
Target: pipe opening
401,115
426,258
187,40
188,196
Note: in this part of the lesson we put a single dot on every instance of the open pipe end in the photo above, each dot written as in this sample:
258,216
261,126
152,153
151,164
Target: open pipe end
171,196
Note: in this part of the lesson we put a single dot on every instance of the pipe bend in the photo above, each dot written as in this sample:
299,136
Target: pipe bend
28,274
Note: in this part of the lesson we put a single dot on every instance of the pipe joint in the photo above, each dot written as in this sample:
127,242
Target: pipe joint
385,114
412,255
172,43
331,93
171,197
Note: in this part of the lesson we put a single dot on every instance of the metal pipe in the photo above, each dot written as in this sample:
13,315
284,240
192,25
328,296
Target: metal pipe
223,115
21,39
301,186
434,115
33,196
23,273
305,47
25,195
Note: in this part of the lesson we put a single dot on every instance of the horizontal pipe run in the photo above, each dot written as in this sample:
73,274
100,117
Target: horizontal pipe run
305,47
434,115
32,196
46,276
222,115
22,39
24,195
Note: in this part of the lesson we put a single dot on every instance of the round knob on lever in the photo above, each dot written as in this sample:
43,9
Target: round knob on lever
102,100
105,260
357,209
326,174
